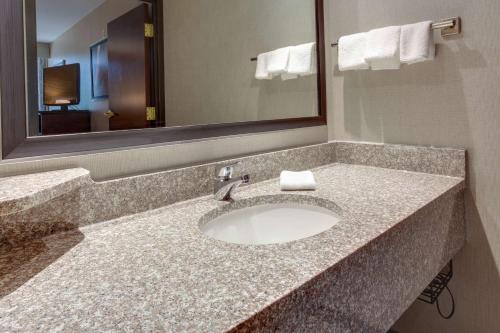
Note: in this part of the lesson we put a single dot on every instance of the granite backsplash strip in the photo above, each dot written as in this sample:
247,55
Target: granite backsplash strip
268,166
440,161
102,201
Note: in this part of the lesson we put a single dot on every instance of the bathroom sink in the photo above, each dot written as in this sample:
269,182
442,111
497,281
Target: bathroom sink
270,223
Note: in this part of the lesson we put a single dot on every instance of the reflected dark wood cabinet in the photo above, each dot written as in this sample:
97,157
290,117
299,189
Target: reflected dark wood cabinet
64,122
16,51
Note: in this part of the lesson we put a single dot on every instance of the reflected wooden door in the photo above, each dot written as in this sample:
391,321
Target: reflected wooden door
129,70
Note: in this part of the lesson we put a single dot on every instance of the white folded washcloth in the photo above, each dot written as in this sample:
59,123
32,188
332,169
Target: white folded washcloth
417,43
297,181
302,59
382,48
261,72
277,61
352,52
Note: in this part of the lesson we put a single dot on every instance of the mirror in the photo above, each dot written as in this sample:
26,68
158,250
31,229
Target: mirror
109,65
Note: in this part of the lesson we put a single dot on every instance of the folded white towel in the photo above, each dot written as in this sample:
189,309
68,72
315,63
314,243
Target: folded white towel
352,52
261,72
277,61
302,59
297,181
417,43
382,48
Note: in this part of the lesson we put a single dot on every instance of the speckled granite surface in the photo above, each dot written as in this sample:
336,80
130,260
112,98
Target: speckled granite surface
441,161
97,202
22,192
115,198
155,271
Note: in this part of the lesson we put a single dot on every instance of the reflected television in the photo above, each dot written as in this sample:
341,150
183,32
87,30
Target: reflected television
61,86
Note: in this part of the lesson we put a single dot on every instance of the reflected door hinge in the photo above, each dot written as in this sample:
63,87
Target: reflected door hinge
149,30
150,113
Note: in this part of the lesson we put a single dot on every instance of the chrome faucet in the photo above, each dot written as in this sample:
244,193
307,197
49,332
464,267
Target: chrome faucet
225,183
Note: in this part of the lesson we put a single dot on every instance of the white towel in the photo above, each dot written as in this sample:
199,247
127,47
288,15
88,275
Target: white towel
277,61
417,43
352,52
297,181
302,60
382,48
261,72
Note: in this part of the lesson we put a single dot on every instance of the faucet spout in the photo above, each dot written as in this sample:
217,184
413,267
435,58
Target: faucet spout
226,184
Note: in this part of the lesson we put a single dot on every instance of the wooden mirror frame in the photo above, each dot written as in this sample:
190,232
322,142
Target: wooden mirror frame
13,101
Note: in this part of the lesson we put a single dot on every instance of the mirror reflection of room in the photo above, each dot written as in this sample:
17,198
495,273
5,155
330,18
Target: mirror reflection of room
92,58
211,72
100,66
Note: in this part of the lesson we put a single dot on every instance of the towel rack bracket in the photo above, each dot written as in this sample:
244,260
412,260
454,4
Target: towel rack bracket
449,27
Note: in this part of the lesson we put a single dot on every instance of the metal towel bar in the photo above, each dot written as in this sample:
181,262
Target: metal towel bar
449,27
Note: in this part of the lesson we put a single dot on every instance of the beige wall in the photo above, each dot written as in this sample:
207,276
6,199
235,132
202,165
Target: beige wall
453,101
209,75
74,47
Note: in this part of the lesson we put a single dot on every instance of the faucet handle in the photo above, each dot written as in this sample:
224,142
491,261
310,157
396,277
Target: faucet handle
226,172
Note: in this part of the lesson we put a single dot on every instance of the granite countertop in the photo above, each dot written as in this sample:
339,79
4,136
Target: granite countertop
22,192
156,271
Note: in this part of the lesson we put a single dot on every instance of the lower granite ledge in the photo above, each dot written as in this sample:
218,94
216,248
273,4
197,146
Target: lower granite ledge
369,290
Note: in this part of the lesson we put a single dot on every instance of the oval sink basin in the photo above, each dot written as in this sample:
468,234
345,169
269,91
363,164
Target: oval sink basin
270,223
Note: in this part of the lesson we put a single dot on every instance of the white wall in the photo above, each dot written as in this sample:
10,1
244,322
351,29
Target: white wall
454,102
208,73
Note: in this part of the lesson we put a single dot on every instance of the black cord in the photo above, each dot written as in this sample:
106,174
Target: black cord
452,306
